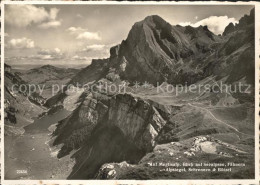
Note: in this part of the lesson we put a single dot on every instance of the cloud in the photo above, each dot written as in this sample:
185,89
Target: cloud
89,36
79,15
51,24
42,57
75,30
25,15
55,51
216,24
76,57
187,24
48,54
20,43
82,33
95,47
96,50
82,60
53,13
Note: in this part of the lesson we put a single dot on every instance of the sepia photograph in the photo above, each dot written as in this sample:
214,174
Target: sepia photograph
128,91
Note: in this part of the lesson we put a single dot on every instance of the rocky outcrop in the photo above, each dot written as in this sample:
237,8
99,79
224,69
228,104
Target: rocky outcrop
122,128
243,23
246,20
77,128
137,119
109,171
236,50
114,51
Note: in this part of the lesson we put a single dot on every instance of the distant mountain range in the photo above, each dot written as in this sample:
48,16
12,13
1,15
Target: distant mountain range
46,73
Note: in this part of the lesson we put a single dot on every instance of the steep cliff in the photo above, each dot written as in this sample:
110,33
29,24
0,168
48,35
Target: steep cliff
77,128
138,120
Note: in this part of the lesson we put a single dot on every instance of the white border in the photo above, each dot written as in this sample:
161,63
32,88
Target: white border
2,91
257,66
115,182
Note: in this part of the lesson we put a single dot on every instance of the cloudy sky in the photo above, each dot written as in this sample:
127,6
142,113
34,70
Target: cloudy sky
74,34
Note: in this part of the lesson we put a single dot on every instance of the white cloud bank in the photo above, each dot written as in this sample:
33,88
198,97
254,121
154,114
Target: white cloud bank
20,43
25,15
75,30
50,24
216,24
76,57
94,47
49,54
83,34
89,36
55,51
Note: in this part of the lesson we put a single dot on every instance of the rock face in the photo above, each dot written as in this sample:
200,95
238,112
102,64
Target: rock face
137,119
120,128
246,20
77,128
243,23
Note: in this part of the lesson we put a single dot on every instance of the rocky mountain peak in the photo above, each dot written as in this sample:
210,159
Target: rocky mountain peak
229,29
246,20
252,12
155,20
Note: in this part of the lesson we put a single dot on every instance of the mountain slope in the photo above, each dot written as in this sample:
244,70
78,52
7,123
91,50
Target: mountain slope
20,106
47,75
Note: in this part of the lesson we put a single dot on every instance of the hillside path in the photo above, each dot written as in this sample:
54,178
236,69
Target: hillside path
217,118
